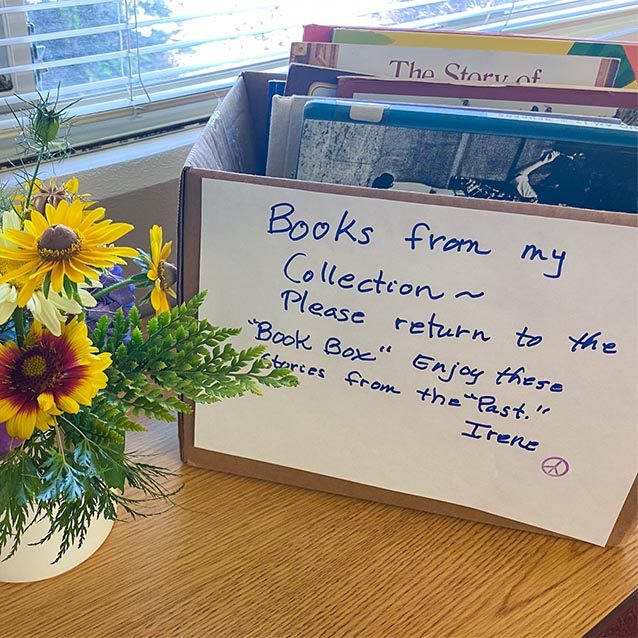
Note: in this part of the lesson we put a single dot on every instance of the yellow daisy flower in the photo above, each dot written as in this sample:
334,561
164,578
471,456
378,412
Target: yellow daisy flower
47,310
160,271
49,376
67,242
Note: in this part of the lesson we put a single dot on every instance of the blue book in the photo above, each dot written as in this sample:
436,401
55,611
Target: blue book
514,156
275,87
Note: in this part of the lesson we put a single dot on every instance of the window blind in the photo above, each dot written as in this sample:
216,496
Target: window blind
140,65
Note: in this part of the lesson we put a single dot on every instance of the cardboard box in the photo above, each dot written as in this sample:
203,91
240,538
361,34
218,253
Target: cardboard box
233,148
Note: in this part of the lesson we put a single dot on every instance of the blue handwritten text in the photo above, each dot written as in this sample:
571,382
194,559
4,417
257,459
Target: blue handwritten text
478,429
280,222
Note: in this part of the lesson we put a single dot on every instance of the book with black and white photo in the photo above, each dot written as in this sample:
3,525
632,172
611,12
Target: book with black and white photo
471,153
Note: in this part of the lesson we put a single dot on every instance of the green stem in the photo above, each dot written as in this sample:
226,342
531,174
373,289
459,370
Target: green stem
27,201
18,322
60,443
105,291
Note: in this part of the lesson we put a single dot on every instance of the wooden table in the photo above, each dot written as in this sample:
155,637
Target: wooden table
239,557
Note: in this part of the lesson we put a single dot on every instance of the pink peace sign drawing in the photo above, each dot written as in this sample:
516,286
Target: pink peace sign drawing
555,466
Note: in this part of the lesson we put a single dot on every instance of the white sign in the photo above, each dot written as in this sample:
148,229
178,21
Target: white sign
483,359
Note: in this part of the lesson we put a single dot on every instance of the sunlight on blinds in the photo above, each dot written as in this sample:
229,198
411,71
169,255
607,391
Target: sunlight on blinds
122,56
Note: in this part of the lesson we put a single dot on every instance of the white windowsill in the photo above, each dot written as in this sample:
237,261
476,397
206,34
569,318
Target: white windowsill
129,167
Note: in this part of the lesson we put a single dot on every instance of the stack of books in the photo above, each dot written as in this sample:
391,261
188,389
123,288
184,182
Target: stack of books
517,118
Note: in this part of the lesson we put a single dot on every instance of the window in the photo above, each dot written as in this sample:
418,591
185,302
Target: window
144,65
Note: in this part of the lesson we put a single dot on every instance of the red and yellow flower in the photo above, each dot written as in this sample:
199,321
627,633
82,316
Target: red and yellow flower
48,376
66,243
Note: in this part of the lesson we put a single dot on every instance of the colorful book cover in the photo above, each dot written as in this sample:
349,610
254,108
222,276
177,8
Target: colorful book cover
470,153
318,32
325,32
460,65
625,53
621,104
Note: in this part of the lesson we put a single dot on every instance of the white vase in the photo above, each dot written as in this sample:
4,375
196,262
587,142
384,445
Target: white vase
36,562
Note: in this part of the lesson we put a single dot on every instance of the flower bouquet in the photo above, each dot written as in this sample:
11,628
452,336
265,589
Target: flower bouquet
78,363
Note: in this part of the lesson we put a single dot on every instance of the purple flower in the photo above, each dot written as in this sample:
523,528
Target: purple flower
6,442
121,298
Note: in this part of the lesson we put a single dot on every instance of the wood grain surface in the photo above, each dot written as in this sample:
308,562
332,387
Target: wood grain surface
238,557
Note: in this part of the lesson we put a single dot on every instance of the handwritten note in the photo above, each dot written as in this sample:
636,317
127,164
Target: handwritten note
480,358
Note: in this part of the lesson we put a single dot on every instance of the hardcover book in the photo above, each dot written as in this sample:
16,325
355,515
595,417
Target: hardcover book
625,52
621,104
285,134
317,81
461,65
471,153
